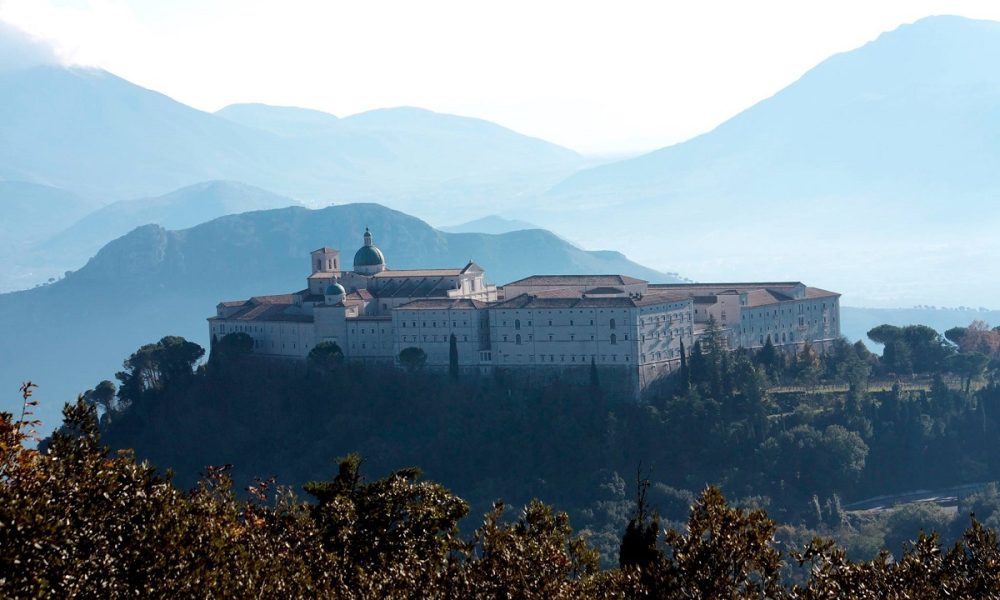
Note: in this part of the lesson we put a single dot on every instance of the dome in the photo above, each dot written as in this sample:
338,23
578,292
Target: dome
369,256
369,259
335,289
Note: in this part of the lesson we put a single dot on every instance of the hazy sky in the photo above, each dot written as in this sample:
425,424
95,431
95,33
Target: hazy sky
603,77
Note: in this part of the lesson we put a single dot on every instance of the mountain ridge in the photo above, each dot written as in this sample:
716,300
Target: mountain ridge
88,131
896,141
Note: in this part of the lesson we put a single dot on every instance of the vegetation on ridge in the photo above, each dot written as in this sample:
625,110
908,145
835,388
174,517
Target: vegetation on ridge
77,521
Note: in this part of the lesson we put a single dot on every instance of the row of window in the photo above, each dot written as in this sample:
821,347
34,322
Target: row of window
433,338
262,344
435,323
669,318
517,323
660,355
572,358
669,334
364,346
227,328
572,337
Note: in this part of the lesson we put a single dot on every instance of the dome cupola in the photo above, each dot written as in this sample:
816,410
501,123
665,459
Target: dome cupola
369,260
335,294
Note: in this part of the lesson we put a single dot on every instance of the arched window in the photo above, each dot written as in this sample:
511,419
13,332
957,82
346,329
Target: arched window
614,339
612,323
517,323
517,339
319,265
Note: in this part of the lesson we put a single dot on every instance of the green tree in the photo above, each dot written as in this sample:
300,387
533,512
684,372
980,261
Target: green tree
155,367
453,356
231,347
907,521
325,356
768,358
102,397
536,557
968,365
638,547
685,373
808,366
725,553
897,358
955,335
885,334
395,533
412,358
595,378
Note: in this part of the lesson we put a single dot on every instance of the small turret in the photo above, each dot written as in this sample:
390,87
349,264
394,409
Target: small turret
335,294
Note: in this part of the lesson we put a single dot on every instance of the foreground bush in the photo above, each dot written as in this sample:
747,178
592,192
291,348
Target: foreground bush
78,522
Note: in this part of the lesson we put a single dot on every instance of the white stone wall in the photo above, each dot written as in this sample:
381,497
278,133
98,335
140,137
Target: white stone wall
662,328
288,339
331,325
563,336
814,320
369,338
431,330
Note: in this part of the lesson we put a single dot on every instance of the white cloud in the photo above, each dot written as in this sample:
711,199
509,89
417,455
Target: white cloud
21,50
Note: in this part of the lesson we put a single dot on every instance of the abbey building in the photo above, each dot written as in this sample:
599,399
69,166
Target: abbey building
543,324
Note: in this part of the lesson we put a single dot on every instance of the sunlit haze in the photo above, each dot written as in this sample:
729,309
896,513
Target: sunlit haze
600,81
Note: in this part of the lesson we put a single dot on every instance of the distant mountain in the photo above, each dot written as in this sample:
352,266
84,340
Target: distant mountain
876,169
179,209
91,132
490,224
286,121
30,212
442,141
154,282
95,134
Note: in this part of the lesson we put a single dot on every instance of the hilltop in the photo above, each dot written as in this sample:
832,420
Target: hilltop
155,280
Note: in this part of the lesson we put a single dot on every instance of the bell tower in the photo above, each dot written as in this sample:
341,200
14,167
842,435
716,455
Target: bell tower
325,260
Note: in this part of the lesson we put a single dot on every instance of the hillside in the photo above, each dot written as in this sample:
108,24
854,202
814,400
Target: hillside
180,209
489,224
894,142
32,212
29,213
153,282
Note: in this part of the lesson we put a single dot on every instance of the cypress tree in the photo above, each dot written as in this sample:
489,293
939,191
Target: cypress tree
595,380
453,356
685,374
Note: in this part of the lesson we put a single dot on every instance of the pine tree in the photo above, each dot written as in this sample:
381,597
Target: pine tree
769,359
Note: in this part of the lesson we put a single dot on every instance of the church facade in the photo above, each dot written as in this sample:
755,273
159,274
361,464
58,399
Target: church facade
543,325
